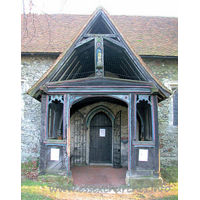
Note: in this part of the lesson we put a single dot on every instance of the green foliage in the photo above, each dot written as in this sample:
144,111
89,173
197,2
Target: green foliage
28,196
30,169
170,174
37,164
32,183
56,180
28,166
172,197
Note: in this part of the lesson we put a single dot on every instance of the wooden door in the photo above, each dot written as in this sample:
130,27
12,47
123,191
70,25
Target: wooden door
101,139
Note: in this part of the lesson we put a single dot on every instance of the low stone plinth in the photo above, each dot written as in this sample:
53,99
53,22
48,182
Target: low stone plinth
143,181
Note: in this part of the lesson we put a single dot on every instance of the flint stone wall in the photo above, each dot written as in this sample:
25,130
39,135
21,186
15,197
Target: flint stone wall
166,70
32,68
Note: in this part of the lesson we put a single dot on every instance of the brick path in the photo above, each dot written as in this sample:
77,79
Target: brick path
98,176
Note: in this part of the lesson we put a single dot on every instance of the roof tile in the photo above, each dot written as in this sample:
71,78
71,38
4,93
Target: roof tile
54,33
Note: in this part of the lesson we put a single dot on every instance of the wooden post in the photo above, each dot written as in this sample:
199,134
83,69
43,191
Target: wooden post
67,128
42,159
132,130
155,121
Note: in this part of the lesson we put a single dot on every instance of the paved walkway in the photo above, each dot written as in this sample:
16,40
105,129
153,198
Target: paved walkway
98,176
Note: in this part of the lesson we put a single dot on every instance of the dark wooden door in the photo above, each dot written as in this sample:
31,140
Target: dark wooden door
101,139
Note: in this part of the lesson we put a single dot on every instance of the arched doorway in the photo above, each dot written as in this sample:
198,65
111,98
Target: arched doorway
100,139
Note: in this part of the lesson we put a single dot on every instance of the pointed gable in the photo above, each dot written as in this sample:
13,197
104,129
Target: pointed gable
99,41
100,27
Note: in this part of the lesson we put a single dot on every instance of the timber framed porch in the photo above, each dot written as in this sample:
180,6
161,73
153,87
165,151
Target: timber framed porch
98,91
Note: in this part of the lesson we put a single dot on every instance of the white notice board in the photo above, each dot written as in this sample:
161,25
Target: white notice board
143,154
102,132
55,154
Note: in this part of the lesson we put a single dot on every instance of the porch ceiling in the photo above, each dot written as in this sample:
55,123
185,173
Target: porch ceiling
81,64
92,100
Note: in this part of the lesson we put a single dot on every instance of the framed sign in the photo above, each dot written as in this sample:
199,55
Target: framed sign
55,154
102,132
143,154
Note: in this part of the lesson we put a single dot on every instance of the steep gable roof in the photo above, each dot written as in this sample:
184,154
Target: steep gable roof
54,33
75,60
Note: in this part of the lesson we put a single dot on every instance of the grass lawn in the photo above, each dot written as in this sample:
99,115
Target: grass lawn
35,191
32,189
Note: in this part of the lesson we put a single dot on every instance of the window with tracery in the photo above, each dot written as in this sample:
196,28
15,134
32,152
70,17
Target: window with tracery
55,117
144,118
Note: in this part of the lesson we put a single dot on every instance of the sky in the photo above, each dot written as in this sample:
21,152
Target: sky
167,8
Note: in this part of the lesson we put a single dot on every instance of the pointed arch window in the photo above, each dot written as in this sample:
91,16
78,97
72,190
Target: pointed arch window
144,124
55,117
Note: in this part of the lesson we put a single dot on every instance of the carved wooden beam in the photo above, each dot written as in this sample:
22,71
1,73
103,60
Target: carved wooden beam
99,57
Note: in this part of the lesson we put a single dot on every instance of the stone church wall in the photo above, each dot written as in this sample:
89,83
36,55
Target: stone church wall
166,71
33,67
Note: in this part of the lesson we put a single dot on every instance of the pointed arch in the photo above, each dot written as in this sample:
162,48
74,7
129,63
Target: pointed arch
98,109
